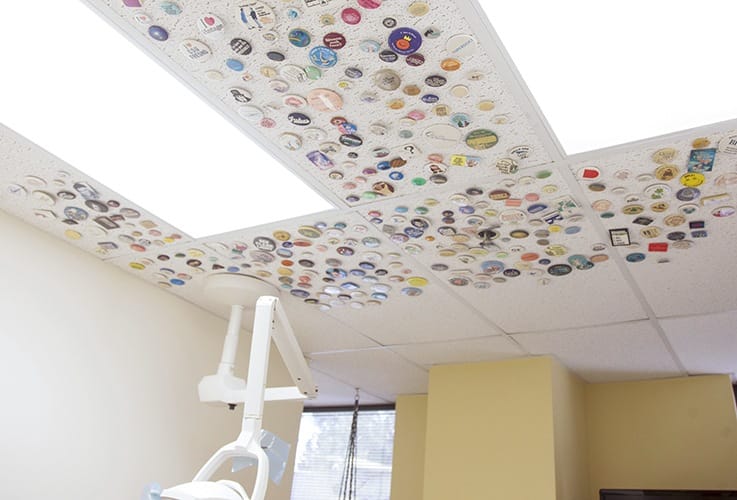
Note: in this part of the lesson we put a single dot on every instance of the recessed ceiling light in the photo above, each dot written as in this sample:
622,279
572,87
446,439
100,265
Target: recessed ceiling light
609,73
79,89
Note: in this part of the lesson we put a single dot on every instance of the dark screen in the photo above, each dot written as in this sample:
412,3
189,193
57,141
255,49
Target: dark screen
666,495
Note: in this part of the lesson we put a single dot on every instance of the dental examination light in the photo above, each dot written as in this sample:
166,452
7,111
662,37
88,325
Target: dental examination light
254,446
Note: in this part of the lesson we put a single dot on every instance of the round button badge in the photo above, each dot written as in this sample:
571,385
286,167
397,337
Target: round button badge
692,179
461,45
299,38
350,16
158,33
405,41
241,46
481,139
325,100
334,41
323,57
387,79
211,27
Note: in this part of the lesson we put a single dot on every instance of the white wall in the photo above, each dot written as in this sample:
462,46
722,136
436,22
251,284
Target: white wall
98,375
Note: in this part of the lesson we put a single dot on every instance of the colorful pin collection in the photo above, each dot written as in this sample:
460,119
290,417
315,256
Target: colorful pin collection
328,265
56,197
665,199
384,103
526,226
369,97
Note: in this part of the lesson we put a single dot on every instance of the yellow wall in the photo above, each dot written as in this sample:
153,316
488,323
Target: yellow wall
530,429
675,434
409,448
569,420
490,431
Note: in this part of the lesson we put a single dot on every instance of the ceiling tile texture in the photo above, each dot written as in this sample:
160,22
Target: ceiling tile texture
461,233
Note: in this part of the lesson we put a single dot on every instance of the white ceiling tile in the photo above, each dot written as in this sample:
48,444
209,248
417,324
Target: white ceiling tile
322,263
643,192
696,281
460,351
318,332
705,344
514,118
333,392
379,371
628,351
46,192
516,277
582,298
434,315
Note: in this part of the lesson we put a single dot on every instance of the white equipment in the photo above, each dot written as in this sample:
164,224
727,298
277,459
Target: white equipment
253,446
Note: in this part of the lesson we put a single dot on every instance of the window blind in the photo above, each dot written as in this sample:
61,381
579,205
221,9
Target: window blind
321,453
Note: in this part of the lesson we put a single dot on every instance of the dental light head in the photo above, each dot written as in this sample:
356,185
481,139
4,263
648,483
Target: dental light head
254,446
200,490
206,490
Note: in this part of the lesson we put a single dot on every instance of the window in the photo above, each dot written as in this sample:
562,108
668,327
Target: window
321,454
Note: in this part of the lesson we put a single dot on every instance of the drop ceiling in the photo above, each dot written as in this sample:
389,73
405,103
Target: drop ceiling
462,231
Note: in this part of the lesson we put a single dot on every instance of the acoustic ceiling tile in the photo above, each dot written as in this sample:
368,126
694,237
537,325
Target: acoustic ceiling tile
459,351
329,260
628,351
517,247
333,392
318,332
705,344
335,100
378,371
670,203
46,192
435,315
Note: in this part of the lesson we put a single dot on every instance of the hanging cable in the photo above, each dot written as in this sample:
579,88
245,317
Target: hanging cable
348,482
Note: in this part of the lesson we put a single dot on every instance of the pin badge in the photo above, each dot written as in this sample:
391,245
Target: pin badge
334,41
721,212
415,60
619,237
461,45
240,95
256,15
387,79
692,179
323,57
701,160
728,144
251,113
664,155
235,65
158,33
299,119
299,38
320,160
350,16
436,81
405,41
325,100
241,46
170,8
211,27
481,139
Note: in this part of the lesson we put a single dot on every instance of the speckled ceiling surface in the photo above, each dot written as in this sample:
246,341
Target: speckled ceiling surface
458,217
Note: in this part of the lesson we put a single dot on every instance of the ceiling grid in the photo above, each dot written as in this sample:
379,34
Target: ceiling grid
463,232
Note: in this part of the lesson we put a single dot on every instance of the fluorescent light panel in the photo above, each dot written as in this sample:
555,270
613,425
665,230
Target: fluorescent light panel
79,89
606,73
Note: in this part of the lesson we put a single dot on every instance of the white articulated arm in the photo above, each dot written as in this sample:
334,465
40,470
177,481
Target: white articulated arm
270,322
